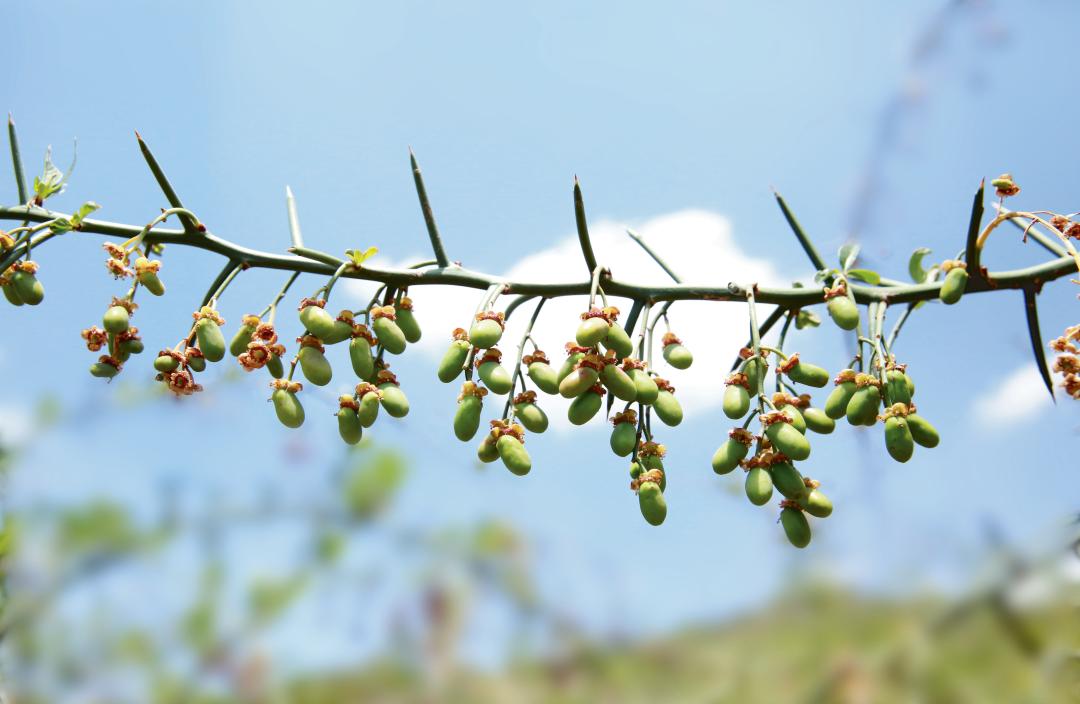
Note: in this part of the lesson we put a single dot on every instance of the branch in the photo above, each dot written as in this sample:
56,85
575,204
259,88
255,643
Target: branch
429,216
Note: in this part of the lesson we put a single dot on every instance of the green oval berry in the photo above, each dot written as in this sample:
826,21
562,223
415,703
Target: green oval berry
816,504
844,312
787,480
578,382
288,408
544,376
922,431
369,409
133,346
103,370
863,406
623,439
796,527
897,387
485,333
736,401
898,439
151,282
678,356
487,451
568,365
406,320
363,363
11,294
618,340
758,486
197,364
315,366
349,426
495,377
339,332
952,289
636,469
667,408
797,418
618,382
239,343
30,290
531,416
652,503
211,341
592,331
467,417
583,408
808,374
818,421
728,456
317,321
394,400
755,373
785,438
514,455
116,319
165,363
389,334
452,363
275,366
837,402
647,390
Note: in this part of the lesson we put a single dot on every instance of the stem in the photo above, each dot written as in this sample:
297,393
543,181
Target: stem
780,342
429,216
224,278
595,286
272,308
521,353
325,290
1045,242
1004,215
899,325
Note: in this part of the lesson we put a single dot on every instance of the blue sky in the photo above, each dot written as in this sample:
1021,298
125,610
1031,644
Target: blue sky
659,111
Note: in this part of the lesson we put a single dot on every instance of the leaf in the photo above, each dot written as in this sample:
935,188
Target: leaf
871,277
84,210
1032,312
52,181
847,255
61,225
915,267
358,258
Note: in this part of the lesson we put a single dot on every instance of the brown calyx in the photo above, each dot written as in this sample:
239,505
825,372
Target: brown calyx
627,416
498,316
306,302
287,384
385,376
669,338
491,355
311,341
844,376
525,397
738,379
537,356
470,388
387,312
364,388
664,385
741,435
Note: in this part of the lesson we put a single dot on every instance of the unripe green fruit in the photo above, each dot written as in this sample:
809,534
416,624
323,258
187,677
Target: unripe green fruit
952,289
623,439
369,409
485,333
116,319
618,382
922,431
796,527
30,290
315,366
647,389
592,331
651,462
275,366
495,377
787,480
736,401
668,409
487,451
636,469
584,407
165,363
816,504
288,408
897,387
197,364
844,312
406,320
785,438
363,364
618,340
678,356
755,372
568,366
394,400
652,503
578,382
531,416
11,294
758,486
339,332
797,419
239,343
837,402
863,406
898,439
133,346
514,455
349,426
467,417
103,370
211,341
152,283
389,334
317,321
452,363
818,421
728,456
808,374
544,376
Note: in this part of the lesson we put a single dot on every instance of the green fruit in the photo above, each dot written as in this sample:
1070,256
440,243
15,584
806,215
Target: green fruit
678,356
544,377
736,401
618,382
623,439
485,333
785,438
952,289
394,400
531,416
667,408
647,390
452,363
652,503
349,426
578,382
103,370
196,363
495,377
568,366
796,527
467,417
132,346
863,406
922,431
363,363
369,409
797,419
487,451
389,334
818,421
635,470
317,321
787,480
30,290
339,332
11,294
728,456
808,374
758,486
148,277
837,402
116,319
898,439
816,504
288,408
755,373
844,312
275,366
513,454
406,320
315,366
618,340
592,331
584,407
166,363
897,387
211,341
651,462
239,343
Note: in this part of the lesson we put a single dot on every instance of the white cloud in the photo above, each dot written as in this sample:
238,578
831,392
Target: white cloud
15,425
697,244
1019,397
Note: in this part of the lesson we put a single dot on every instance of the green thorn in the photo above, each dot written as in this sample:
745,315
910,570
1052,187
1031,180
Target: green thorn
163,182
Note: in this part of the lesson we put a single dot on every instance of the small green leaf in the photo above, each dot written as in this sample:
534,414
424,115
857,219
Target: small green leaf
52,181
358,258
847,255
61,225
871,277
81,214
807,318
915,267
